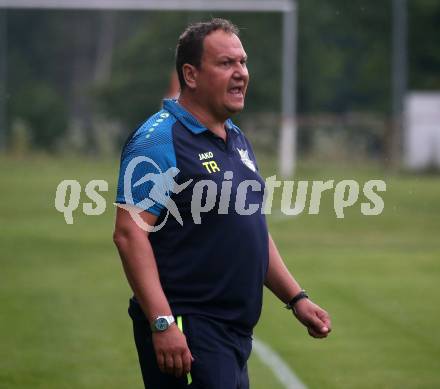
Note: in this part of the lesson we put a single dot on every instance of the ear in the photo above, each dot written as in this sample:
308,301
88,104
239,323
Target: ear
190,75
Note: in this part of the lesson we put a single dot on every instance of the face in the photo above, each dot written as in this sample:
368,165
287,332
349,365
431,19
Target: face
222,79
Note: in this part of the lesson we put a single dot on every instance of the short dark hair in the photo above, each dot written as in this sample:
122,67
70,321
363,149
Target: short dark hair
189,47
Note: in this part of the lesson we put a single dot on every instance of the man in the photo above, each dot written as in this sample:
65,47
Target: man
206,271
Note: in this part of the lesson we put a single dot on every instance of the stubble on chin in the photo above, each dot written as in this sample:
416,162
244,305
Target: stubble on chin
235,110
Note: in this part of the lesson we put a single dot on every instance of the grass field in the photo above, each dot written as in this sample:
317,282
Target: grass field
63,296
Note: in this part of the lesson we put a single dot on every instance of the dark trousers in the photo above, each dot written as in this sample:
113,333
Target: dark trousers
220,354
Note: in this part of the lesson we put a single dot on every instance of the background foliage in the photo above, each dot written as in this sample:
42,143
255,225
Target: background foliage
70,73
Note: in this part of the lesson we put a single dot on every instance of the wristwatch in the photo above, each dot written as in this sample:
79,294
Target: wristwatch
161,323
301,295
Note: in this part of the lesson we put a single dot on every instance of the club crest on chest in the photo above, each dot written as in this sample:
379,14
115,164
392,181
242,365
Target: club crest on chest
244,155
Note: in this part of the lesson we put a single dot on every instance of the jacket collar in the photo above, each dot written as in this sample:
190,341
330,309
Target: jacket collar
188,120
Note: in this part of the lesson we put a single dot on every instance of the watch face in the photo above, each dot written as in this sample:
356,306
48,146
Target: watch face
161,324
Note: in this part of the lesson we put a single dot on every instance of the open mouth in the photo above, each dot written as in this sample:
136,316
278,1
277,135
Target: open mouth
236,91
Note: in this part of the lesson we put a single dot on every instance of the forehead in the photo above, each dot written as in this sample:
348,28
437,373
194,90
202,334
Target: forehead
220,43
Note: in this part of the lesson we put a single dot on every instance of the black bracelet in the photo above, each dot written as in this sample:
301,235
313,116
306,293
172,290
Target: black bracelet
301,295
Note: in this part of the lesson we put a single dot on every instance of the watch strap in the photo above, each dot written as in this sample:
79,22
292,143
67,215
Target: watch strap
301,295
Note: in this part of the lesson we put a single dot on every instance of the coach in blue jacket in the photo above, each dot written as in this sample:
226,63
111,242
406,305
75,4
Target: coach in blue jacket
198,275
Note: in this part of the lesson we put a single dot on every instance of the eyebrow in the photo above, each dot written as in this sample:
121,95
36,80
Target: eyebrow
222,57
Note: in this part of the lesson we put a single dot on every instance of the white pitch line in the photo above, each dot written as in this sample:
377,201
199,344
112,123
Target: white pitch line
280,369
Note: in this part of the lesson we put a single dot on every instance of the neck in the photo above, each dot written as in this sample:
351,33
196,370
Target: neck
212,123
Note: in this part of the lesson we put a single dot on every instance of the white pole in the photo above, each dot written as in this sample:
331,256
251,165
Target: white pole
399,78
287,146
3,78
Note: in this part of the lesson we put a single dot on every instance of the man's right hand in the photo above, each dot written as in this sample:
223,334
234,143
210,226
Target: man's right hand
172,352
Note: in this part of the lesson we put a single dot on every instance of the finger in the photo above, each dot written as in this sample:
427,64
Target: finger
186,361
328,323
318,324
325,318
178,365
316,334
312,332
169,364
161,362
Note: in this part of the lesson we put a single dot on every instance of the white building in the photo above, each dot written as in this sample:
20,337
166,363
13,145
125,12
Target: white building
422,130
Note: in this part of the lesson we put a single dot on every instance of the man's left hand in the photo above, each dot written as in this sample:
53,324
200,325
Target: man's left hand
313,317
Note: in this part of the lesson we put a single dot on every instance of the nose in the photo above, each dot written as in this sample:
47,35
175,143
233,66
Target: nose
241,71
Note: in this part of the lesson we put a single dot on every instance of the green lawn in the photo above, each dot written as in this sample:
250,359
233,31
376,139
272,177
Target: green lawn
63,296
